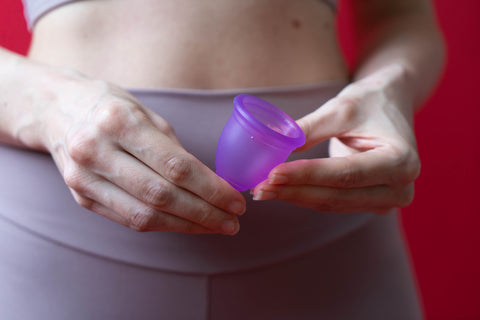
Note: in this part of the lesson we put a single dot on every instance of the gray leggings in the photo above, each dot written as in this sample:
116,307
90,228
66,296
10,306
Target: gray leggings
364,275
59,261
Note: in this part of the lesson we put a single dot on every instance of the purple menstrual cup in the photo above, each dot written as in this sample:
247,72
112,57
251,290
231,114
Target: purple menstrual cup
257,137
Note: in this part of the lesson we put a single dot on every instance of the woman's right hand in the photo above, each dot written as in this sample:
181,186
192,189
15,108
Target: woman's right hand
123,161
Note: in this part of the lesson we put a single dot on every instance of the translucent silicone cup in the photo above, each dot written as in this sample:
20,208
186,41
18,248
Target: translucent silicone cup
256,138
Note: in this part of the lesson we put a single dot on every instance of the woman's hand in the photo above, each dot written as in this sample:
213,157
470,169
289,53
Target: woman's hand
373,156
124,162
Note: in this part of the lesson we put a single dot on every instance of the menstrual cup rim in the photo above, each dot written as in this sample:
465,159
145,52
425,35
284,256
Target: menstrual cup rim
250,120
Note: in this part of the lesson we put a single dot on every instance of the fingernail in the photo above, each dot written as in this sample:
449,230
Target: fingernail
230,227
237,207
265,195
278,179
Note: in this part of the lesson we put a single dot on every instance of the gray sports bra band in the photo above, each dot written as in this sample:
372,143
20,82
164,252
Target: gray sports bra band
34,9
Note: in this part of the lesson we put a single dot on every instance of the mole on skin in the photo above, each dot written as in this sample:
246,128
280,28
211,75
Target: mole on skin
296,23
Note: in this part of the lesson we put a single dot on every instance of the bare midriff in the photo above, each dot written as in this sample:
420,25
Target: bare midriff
193,44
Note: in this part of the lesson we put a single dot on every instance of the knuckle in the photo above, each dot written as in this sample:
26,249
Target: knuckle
158,195
348,176
165,127
306,123
348,107
141,220
331,201
413,166
110,116
117,116
189,228
137,116
178,169
406,196
307,172
215,195
74,179
85,202
204,215
82,145
406,166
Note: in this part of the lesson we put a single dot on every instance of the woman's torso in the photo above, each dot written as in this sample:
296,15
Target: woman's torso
193,44
213,46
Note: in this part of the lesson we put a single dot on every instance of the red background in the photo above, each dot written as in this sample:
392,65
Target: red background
442,225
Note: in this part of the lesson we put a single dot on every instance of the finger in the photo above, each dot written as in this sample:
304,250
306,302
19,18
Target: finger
330,120
380,166
146,185
96,207
163,126
377,210
353,209
180,212
339,200
181,168
176,226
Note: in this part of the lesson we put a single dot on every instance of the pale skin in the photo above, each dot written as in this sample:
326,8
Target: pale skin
124,162
373,153
373,159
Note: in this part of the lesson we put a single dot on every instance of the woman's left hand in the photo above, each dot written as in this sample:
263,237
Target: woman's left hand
373,154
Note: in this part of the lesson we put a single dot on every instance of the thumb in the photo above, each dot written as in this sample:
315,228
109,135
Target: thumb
326,122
